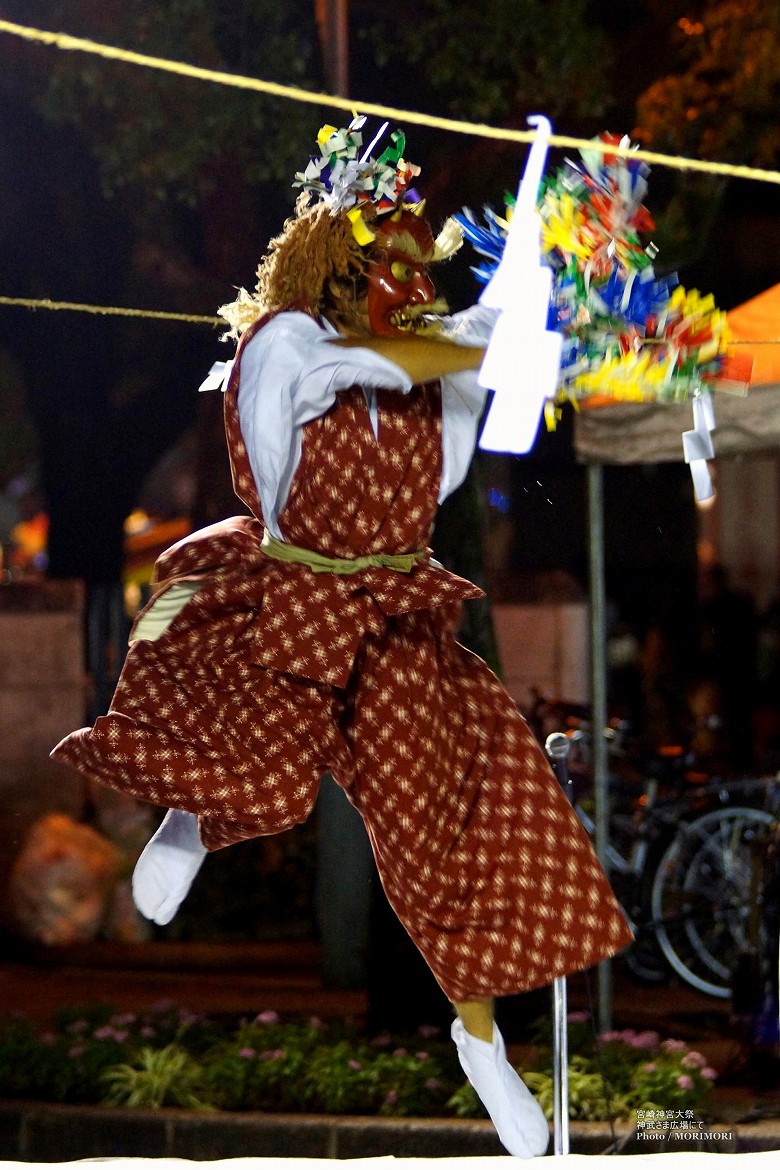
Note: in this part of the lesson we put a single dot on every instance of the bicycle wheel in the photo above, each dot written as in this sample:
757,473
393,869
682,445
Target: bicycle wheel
701,895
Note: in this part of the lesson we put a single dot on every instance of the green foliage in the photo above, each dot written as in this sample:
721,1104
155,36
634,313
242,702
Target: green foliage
262,1066
644,1071
168,135
499,60
156,1078
69,1061
302,1067
168,1057
615,1076
588,1098
27,1060
165,136
64,1064
464,1102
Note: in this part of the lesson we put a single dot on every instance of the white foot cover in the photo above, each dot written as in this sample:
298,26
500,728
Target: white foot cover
167,867
519,1121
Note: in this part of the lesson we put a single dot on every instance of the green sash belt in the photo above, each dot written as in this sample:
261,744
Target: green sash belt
402,563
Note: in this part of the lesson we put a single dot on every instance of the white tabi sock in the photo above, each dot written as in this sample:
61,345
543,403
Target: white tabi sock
514,1111
167,867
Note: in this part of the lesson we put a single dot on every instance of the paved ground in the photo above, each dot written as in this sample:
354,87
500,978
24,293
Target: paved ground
285,977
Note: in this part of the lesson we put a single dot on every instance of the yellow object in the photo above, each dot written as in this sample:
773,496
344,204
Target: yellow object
280,551
474,129
325,133
109,310
360,229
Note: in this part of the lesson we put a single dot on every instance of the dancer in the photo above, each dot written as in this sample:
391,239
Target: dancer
317,635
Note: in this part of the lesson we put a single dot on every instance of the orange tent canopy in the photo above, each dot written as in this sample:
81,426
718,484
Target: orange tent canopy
758,320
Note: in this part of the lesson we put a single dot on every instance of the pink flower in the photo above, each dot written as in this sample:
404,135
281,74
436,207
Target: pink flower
400,1052
421,1055
355,1065
610,1037
432,1084
247,1053
77,1050
272,1054
108,1033
709,1074
693,1060
685,1082
391,1097
645,1040
577,1017
428,1031
76,1027
674,1045
650,1068
148,1033
381,1041
269,1017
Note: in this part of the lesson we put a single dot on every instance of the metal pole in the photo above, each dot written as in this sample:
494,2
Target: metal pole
598,684
560,1068
557,747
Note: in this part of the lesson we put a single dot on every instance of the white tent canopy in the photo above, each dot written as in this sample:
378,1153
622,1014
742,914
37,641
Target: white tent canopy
647,432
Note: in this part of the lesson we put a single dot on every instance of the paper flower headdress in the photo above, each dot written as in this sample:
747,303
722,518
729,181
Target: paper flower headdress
350,181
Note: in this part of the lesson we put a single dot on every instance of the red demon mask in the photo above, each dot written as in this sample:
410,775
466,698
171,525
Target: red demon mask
397,277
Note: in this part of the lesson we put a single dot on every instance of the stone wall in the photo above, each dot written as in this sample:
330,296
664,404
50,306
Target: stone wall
42,694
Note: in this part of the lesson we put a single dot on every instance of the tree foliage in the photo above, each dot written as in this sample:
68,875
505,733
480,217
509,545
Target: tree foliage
497,60
710,89
167,135
161,135
721,99
163,142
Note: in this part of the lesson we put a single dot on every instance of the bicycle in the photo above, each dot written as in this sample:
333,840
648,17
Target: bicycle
684,858
706,897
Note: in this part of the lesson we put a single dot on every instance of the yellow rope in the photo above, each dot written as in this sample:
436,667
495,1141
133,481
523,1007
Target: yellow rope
110,52
109,310
190,318
293,93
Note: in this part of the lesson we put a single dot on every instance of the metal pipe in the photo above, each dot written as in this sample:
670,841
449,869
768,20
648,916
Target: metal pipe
598,683
558,746
560,1053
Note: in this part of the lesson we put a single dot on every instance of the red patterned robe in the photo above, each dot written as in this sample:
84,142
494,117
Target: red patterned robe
272,675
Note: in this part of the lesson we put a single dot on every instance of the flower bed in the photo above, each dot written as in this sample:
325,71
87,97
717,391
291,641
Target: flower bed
169,1057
